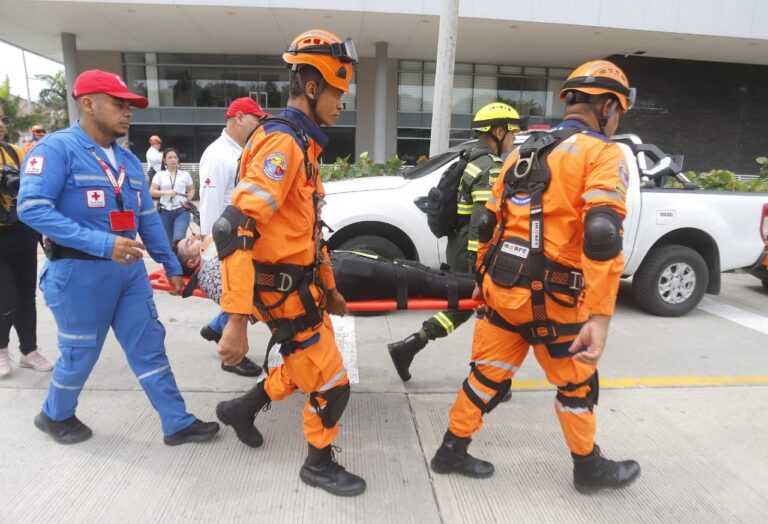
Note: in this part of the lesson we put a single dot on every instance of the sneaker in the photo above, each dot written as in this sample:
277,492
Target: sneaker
36,361
68,431
210,334
5,362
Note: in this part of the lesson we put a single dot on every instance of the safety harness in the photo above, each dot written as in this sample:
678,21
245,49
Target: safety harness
290,278
515,262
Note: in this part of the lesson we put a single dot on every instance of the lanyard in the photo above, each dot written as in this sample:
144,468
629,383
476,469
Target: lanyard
117,185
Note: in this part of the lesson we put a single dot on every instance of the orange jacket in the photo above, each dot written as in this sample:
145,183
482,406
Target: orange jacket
588,170
275,192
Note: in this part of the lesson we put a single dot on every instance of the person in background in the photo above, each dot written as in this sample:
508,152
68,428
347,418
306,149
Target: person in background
154,156
172,186
218,172
36,133
18,267
90,199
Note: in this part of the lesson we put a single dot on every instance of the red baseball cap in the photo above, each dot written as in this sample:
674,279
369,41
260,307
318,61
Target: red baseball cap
247,106
98,81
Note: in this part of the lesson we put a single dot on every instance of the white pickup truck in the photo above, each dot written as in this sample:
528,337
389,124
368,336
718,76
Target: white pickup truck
676,241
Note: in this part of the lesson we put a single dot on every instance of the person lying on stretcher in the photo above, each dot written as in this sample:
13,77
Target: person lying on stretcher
359,275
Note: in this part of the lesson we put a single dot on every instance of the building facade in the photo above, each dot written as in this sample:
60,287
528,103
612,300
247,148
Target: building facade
700,66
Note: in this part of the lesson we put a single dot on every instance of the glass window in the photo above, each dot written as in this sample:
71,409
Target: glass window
341,143
428,93
409,92
210,89
133,58
136,78
485,91
509,90
533,97
175,86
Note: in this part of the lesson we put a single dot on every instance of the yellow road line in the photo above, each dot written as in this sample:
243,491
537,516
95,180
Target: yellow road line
654,382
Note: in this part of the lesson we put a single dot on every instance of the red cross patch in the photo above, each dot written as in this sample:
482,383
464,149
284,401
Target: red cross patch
95,198
34,166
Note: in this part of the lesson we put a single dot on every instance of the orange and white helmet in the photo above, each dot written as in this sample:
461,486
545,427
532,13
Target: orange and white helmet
600,77
333,57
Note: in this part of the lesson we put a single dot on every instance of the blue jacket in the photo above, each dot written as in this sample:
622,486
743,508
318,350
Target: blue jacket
66,196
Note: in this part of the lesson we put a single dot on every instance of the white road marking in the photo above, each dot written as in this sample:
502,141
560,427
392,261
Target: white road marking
735,314
344,329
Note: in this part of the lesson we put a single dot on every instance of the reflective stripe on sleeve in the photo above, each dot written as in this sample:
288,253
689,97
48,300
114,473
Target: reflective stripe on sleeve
35,202
596,193
257,191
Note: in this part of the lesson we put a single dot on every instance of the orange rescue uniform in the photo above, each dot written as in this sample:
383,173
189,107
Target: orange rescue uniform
275,191
587,170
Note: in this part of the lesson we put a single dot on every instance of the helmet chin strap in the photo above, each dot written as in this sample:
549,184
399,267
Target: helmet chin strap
312,101
500,141
602,121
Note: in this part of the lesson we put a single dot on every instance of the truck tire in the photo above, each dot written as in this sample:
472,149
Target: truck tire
671,281
379,245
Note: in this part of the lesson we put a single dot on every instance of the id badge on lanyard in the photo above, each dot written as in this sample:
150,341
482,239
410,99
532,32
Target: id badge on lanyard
120,220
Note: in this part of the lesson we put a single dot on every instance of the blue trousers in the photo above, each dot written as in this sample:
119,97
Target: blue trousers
175,223
87,297
218,322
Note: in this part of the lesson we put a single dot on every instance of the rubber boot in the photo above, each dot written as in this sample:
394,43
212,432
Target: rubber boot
452,457
321,470
402,353
240,413
593,472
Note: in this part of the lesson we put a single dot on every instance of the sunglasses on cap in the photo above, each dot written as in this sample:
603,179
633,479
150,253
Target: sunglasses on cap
5,119
39,132
345,51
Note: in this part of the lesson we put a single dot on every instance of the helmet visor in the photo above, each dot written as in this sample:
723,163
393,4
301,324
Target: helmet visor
631,98
343,51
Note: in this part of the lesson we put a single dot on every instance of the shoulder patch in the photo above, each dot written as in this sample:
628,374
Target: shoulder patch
624,172
34,166
275,166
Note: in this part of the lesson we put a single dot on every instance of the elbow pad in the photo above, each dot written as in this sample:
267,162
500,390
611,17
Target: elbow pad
486,226
225,234
602,233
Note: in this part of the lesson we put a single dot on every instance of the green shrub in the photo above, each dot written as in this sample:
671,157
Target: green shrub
364,167
725,180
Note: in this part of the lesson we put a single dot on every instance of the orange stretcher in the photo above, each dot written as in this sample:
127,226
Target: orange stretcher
160,282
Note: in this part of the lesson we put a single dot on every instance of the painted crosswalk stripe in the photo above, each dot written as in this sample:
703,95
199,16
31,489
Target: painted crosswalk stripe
735,314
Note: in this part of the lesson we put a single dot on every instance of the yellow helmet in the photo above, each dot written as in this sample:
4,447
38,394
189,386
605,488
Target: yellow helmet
496,114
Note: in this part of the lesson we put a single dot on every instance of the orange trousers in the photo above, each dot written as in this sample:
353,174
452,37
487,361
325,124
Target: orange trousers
317,367
498,354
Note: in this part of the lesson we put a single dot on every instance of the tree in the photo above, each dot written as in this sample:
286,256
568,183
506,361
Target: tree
11,104
53,101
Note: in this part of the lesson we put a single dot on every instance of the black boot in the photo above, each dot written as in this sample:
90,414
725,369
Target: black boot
240,413
68,431
593,472
321,470
402,353
452,457
246,368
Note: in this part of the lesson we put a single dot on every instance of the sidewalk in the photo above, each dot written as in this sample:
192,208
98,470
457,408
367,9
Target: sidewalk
703,449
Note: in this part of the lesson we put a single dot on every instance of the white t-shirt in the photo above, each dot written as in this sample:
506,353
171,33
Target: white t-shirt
218,171
110,156
155,158
179,182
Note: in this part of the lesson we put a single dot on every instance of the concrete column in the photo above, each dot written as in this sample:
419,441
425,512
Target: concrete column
153,85
71,70
380,104
446,59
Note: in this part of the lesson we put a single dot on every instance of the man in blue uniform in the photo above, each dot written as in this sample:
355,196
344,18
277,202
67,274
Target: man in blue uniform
89,198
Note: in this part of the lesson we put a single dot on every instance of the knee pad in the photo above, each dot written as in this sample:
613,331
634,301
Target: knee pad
485,405
587,402
602,233
336,400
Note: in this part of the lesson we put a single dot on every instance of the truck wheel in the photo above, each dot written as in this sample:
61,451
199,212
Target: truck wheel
671,281
379,245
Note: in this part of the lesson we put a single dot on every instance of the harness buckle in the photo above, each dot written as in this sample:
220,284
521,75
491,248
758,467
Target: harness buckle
543,330
576,281
286,282
527,163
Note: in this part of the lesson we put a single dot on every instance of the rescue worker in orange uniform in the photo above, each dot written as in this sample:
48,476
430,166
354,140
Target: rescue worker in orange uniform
275,265
549,263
